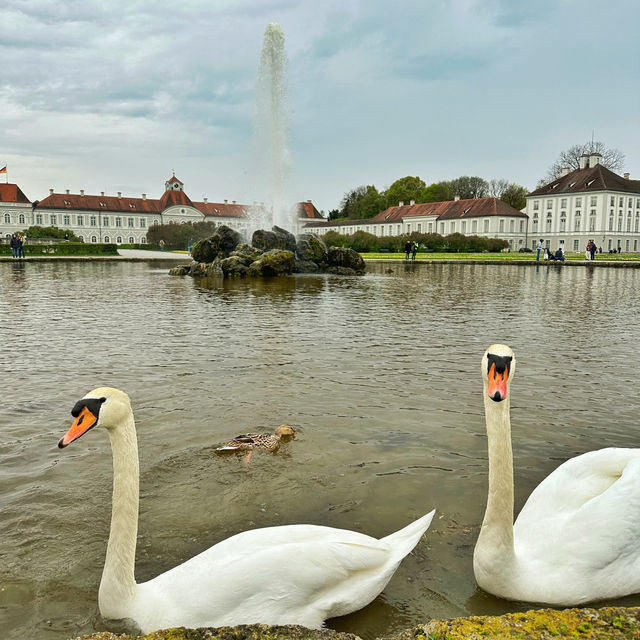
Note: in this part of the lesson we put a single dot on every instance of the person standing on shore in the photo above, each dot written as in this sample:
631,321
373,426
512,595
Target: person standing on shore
21,240
414,250
14,246
407,249
538,250
592,250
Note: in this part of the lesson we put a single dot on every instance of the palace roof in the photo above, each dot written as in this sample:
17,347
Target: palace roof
597,178
12,193
308,210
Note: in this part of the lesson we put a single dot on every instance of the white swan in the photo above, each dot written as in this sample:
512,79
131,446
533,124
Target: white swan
295,574
577,538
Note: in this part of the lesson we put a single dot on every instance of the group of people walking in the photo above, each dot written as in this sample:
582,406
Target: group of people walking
17,246
410,249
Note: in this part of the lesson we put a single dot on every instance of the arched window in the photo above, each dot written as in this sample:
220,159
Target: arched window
81,238
131,240
143,240
21,218
7,218
106,239
94,239
119,240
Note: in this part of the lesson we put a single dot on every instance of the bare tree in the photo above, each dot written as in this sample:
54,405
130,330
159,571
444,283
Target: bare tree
497,187
570,158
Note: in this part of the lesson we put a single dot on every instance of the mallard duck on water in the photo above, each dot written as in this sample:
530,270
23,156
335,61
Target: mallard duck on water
250,441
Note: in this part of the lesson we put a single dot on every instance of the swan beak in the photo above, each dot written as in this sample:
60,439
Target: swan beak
498,383
85,420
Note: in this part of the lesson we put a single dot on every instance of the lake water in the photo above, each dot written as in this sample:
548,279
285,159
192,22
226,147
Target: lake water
380,375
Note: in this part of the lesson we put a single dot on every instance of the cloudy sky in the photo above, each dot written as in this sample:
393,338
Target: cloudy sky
111,96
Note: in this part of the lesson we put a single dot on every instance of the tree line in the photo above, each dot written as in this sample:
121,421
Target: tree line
366,201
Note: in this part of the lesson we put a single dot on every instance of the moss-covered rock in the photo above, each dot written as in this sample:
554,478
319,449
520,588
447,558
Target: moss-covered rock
273,263
310,248
247,253
234,266
608,623
346,258
182,270
220,244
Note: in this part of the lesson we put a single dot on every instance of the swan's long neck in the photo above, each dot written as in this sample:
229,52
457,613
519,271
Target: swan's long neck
495,543
118,578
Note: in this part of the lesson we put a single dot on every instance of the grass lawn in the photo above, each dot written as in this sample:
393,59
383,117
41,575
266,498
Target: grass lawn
513,257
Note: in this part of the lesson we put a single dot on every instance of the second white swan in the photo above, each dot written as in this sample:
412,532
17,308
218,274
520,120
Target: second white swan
295,574
577,538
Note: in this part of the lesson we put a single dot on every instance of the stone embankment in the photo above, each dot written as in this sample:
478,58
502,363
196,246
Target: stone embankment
271,253
608,623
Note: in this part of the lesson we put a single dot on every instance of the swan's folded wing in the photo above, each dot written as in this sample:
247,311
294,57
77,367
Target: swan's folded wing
589,505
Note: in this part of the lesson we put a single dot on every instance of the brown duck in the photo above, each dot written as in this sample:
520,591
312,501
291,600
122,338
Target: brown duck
250,441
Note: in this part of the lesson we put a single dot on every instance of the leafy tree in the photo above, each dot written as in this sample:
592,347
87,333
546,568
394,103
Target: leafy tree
515,195
570,158
437,192
361,202
404,190
50,232
178,236
470,187
334,214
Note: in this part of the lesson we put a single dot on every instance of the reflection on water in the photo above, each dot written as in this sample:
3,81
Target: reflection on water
380,375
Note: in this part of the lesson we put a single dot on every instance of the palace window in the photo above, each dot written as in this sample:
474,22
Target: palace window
419,227
621,202
442,228
578,202
38,218
80,221
119,223
549,204
155,222
130,222
94,239
536,205
53,220
93,221
119,240
610,223
563,203
563,221
21,218
81,238
592,222
474,226
619,224
7,218
630,203
143,240
463,224
577,222
105,221
452,228
409,228
67,220
485,225
612,201
511,225
131,240
629,222
594,201
521,226
106,239
637,223
576,245
399,229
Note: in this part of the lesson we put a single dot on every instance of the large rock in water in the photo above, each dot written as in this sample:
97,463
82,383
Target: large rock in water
273,263
277,238
220,244
309,248
345,259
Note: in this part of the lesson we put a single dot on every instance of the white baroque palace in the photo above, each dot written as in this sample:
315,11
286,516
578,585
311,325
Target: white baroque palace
486,217
590,203
121,219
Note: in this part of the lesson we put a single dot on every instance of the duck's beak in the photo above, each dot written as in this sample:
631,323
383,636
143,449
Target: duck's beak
498,383
83,422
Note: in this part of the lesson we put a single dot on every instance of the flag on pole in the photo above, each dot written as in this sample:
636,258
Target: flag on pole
4,169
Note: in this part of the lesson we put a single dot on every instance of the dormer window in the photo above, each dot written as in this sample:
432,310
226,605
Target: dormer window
466,210
571,184
555,185
103,204
67,202
132,206
591,182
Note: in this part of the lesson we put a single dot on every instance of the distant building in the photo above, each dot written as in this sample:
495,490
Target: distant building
486,217
121,219
591,202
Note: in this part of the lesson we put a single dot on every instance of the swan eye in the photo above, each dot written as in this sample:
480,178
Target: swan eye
501,363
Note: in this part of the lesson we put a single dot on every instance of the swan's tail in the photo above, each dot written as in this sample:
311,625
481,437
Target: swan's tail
403,541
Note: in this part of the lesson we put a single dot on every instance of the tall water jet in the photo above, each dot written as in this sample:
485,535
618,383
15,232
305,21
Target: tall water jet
272,154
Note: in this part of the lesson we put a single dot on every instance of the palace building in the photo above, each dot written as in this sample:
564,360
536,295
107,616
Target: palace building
487,217
121,219
590,203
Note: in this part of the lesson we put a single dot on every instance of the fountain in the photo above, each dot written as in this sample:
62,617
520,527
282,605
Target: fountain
271,153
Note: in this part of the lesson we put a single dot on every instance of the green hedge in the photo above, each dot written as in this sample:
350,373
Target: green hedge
364,242
65,249
143,247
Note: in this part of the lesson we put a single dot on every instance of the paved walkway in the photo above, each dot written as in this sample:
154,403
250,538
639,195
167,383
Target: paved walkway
154,255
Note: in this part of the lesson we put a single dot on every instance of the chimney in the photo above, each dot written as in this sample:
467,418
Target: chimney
50,192
457,198
102,193
206,200
626,176
144,196
81,192
401,203
67,190
565,171
309,201
584,161
226,201
119,194
412,202
233,202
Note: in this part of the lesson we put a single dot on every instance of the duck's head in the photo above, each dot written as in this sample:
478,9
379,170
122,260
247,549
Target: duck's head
285,430
498,367
102,407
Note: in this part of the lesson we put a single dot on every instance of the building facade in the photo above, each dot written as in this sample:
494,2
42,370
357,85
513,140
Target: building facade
590,203
121,219
486,217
